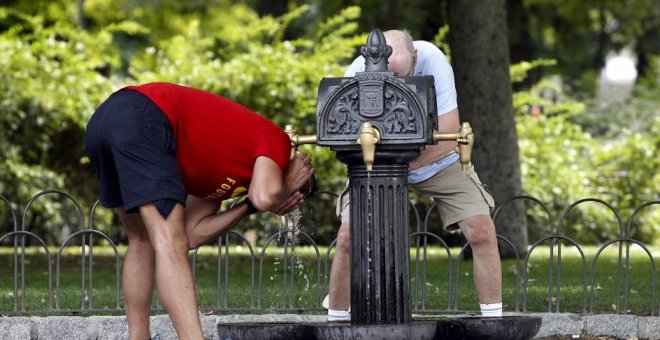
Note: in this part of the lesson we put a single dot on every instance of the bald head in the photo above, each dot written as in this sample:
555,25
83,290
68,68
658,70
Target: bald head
402,60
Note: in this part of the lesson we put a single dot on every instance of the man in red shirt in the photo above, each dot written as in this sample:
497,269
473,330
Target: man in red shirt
166,156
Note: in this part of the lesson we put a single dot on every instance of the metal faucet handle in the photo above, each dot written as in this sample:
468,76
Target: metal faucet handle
465,140
369,137
465,145
297,140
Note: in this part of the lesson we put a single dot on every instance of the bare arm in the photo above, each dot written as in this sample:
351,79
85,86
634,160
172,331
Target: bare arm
447,123
204,225
270,190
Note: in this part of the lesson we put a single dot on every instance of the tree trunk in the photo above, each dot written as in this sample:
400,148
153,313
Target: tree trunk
82,20
271,7
521,44
480,57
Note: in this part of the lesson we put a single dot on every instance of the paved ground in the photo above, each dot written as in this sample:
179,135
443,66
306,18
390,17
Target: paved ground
554,326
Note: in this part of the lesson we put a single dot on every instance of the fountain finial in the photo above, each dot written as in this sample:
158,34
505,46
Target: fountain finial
376,52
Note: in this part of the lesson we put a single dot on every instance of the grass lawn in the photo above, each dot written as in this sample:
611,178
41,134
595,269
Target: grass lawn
306,274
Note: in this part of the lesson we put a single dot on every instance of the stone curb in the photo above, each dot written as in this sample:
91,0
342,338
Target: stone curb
114,327
609,325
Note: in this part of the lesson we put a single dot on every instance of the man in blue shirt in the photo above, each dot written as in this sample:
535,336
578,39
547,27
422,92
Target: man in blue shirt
461,198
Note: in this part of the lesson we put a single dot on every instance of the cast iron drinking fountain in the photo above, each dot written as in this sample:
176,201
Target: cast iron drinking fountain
377,122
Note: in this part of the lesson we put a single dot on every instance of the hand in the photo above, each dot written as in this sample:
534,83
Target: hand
309,188
291,203
298,172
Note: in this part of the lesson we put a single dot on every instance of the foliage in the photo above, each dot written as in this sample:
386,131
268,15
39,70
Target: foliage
580,34
562,163
422,17
440,40
54,75
629,175
52,78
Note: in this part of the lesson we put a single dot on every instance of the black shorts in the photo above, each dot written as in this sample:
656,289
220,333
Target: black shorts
131,147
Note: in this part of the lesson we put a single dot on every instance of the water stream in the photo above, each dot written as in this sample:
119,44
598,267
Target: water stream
369,213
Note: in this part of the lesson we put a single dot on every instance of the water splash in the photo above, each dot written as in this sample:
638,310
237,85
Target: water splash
294,217
291,227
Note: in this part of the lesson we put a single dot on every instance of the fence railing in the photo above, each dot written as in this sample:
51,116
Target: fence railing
284,245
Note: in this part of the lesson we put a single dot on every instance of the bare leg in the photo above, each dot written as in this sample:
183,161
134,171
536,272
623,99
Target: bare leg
487,267
340,273
137,275
173,274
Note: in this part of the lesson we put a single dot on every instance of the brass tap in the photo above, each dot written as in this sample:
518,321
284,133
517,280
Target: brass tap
465,139
297,140
369,136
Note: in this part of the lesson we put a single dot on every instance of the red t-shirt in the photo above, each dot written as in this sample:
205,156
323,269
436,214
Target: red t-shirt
217,140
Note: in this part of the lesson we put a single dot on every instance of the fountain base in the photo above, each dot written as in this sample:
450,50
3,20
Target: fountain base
506,327
426,328
343,331
265,331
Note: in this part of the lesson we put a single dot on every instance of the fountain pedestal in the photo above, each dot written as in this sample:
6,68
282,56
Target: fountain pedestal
377,123
379,244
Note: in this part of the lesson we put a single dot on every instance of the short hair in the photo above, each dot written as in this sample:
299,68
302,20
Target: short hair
409,40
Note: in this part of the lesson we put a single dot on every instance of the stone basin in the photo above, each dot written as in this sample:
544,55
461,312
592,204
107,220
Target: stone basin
264,331
326,331
416,330
518,327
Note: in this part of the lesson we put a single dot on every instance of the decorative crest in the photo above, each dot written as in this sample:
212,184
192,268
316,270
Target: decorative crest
376,52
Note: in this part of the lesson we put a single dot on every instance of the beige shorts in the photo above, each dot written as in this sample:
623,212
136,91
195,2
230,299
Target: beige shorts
457,194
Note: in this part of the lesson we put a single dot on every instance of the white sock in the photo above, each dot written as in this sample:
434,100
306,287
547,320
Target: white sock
339,315
491,309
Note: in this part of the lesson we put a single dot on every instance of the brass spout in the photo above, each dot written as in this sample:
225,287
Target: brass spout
369,136
297,140
465,139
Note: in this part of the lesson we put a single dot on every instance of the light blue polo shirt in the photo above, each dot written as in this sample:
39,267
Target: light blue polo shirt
430,61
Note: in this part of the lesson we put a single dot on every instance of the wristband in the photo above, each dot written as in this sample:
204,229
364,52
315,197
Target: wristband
251,209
